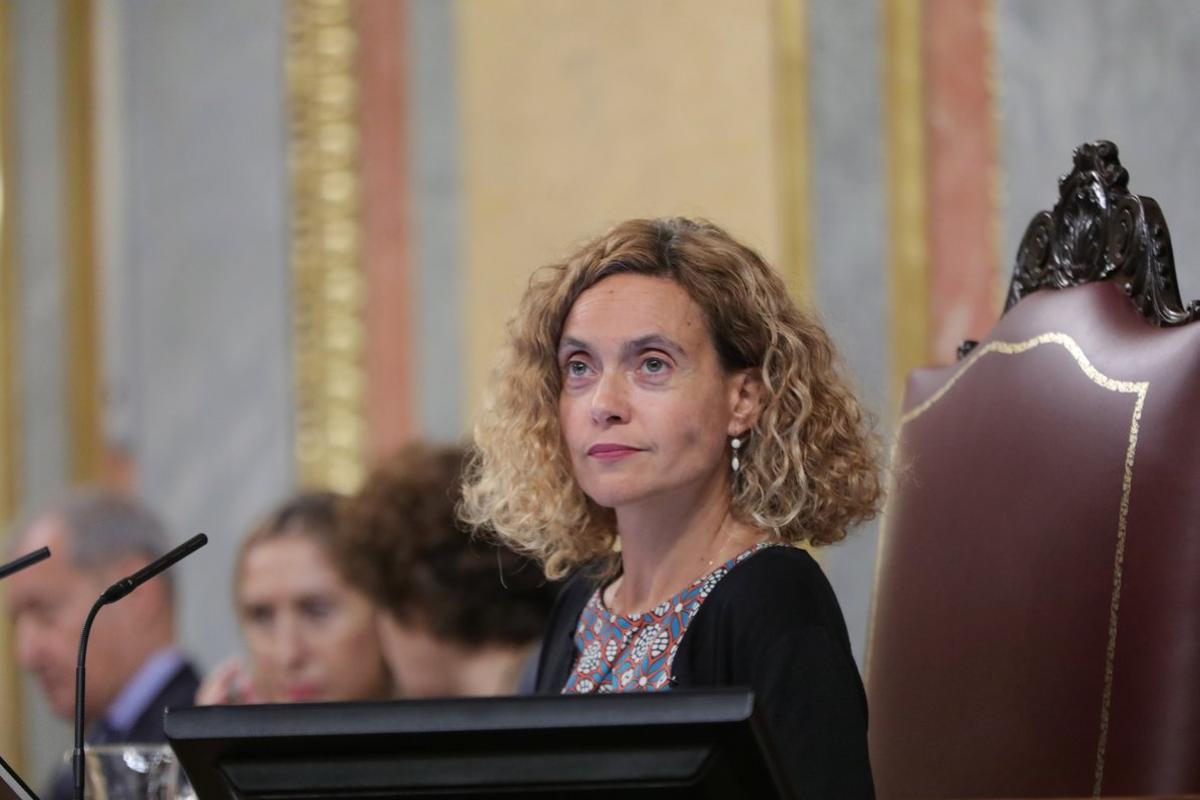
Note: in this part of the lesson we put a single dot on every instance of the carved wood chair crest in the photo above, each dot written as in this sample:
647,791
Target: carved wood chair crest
1100,231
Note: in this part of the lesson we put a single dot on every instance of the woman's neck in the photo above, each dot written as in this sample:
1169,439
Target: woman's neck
493,670
449,669
667,544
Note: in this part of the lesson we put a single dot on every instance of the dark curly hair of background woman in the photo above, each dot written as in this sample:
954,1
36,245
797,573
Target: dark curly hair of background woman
403,545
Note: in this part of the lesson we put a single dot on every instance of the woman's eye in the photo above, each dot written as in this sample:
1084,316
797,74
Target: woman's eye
576,369
316,608
260,616
654,365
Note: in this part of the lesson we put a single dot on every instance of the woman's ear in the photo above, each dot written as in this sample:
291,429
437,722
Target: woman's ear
746,399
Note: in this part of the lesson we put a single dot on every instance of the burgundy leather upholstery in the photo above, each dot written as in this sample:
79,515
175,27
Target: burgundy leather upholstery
1036,626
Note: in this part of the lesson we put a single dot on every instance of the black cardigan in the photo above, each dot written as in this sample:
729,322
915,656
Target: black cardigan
774,625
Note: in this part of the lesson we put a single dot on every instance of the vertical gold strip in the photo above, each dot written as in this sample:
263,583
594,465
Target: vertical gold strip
327,271
79,225
790,32
792,144
1004,257
9,308
908,243
11,741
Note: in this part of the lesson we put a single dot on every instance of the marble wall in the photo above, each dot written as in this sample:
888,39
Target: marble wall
437,245
35,28
193,182
205,342
849,226
1079,70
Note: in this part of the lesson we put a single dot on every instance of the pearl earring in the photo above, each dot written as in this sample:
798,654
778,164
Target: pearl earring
736,444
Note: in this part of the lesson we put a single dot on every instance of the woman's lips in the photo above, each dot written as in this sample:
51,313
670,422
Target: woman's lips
298,693
611,452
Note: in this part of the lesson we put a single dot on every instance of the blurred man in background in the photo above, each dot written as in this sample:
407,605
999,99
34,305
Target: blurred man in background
134,670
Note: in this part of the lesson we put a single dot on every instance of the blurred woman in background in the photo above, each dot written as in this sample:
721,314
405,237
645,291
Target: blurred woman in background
310,636
460,614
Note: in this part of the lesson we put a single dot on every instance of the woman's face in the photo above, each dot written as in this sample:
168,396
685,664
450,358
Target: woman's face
311,638
646,407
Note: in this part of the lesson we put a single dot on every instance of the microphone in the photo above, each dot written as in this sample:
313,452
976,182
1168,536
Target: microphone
126,585
111,595
27,560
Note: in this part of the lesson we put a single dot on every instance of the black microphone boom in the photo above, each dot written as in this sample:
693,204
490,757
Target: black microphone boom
27,560
111,595
127,585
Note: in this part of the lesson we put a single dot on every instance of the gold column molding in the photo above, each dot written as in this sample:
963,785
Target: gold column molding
790,32
908,233
83,356
995,178
327,274
11,741
9,308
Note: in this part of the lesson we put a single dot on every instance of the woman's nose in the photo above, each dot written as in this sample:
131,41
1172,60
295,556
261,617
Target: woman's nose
610,401
290,647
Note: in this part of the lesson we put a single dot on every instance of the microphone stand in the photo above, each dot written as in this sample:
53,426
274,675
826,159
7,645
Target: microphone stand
27,560
111,595
77,754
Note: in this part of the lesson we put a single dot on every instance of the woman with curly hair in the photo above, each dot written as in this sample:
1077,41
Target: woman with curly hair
668,426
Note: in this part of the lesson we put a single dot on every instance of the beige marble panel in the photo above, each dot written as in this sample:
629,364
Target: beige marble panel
576,115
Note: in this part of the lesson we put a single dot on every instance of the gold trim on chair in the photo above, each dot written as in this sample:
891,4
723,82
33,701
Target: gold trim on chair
328,336
1137,388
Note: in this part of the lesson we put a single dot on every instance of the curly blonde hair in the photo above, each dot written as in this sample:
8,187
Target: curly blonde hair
810,462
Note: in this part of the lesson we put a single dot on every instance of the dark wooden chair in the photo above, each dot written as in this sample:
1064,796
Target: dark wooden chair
1036,623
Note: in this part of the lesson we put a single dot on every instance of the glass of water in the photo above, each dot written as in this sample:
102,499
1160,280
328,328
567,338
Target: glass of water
134,772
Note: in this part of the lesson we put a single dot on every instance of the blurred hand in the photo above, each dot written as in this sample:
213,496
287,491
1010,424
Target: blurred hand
228,684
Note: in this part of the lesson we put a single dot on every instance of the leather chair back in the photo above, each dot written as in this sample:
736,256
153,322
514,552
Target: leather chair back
1036,624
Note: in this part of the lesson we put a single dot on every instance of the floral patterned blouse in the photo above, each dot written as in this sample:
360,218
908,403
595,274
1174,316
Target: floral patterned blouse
634,653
